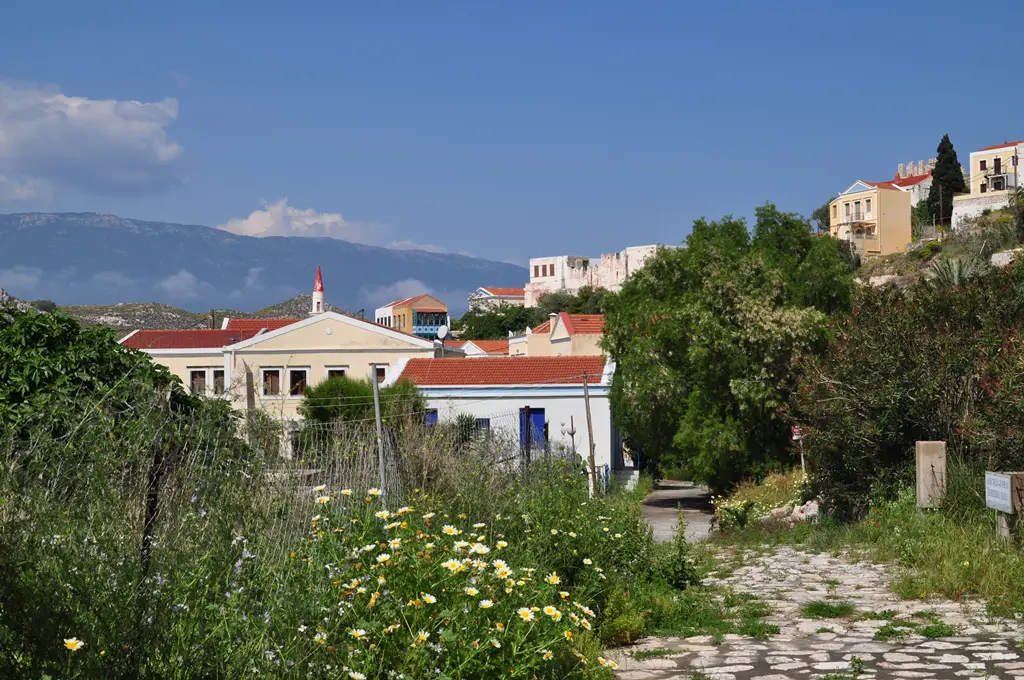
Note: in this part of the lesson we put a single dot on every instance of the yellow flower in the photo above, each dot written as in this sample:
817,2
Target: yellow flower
587,561
501,544
525,614
323,499
450,530
74,644
382,514
495,644
319,488
373,492
429,599
573,534
552,579
395,542
470,591
422,637
564,595
486,604
546,655
392,628
452,565
358,633
585,624
550,611
346,492
554,532
557,616
500,626
568,635
607,662
501,573
967,563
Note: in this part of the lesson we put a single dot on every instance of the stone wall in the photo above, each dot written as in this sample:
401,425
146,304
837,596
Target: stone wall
572,272
967,207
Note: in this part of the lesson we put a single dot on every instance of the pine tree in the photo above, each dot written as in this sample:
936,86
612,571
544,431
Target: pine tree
949,176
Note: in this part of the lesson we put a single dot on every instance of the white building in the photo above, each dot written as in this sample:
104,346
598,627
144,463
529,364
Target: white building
571,272
509,392
493,297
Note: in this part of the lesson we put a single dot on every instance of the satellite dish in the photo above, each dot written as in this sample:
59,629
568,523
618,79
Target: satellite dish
442,333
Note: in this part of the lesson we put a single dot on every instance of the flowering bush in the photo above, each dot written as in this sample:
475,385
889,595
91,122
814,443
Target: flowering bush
751,500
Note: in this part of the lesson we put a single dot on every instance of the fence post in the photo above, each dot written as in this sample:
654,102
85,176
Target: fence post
590,434
529,435
931,473
380,428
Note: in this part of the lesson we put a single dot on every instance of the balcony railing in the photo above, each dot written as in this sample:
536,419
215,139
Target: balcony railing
854,217
865,243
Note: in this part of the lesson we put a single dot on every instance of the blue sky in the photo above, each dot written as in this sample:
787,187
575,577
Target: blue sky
505,130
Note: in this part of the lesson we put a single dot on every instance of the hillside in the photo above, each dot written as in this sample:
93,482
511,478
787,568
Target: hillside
90,259
155,315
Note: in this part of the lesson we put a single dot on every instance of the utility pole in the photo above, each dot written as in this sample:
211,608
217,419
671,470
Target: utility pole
380,428
590,434
942,218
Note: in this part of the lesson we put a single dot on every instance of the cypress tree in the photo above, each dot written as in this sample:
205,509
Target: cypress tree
948,175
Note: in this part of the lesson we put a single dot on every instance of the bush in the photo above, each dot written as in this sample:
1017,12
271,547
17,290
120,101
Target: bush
925,363
751,499
676,564
928,250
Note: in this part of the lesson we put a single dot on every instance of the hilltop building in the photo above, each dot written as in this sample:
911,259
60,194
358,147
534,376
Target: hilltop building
570,272
493,297
993,179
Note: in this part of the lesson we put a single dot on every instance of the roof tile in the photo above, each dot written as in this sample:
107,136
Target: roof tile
186,339
505,371
255,325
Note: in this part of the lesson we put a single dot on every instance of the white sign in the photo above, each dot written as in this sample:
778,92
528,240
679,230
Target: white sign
997,492
798,434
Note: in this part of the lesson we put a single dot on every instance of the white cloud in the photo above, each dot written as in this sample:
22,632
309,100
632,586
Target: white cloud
250,284
100,146
114,281
24,189
184,284
378,296
281,219
20,279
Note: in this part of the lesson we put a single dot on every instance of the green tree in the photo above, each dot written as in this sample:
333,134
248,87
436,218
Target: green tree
496,324
821,218
705,340
348,400
947,180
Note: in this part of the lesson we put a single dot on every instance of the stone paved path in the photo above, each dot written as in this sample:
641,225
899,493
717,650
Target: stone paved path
787,579
661,508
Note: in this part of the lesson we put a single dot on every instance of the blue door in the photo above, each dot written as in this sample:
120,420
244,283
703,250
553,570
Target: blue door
536,428
430,417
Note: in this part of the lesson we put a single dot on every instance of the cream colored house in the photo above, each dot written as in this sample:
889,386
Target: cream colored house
565,335
874,216
268,363
993,177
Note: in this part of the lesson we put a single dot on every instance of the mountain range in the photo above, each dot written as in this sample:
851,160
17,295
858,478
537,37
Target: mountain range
94,259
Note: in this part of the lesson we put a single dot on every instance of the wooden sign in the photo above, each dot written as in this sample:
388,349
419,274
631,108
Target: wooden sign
931,473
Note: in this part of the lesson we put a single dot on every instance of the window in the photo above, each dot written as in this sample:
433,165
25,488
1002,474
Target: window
382,373
846,209
1014,160
218,381
998,165
271,382
835,211
998,184
482,425
336,372
984,187
983,164
296,381
197,381
536,271
318,305
867,206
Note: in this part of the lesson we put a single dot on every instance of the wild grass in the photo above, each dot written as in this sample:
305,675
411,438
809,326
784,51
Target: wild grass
952,551
822,609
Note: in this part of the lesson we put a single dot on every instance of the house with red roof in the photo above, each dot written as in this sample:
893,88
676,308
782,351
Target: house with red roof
873,216
494,297
993,178
539,400
269,363
562,334
420,315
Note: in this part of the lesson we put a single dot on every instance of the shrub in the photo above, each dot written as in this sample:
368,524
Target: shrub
928,250
925,363
752,499
676,564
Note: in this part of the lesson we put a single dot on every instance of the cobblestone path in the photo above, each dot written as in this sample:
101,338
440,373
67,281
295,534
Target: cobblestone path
787,579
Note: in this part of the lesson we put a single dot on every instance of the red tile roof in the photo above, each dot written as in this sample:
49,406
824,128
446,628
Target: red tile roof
188,339
911,181
405,301
505,371
586,324
1001,146
455,344
254,325
507,292
492,346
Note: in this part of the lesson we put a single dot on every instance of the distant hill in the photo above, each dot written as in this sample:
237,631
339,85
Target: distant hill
91,259
130,316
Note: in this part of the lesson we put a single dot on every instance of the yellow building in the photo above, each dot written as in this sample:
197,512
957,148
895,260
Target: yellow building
563,335
268,363
874,216
421,315
993,177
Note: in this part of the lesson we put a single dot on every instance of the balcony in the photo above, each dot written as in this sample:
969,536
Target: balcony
866,243
857,217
